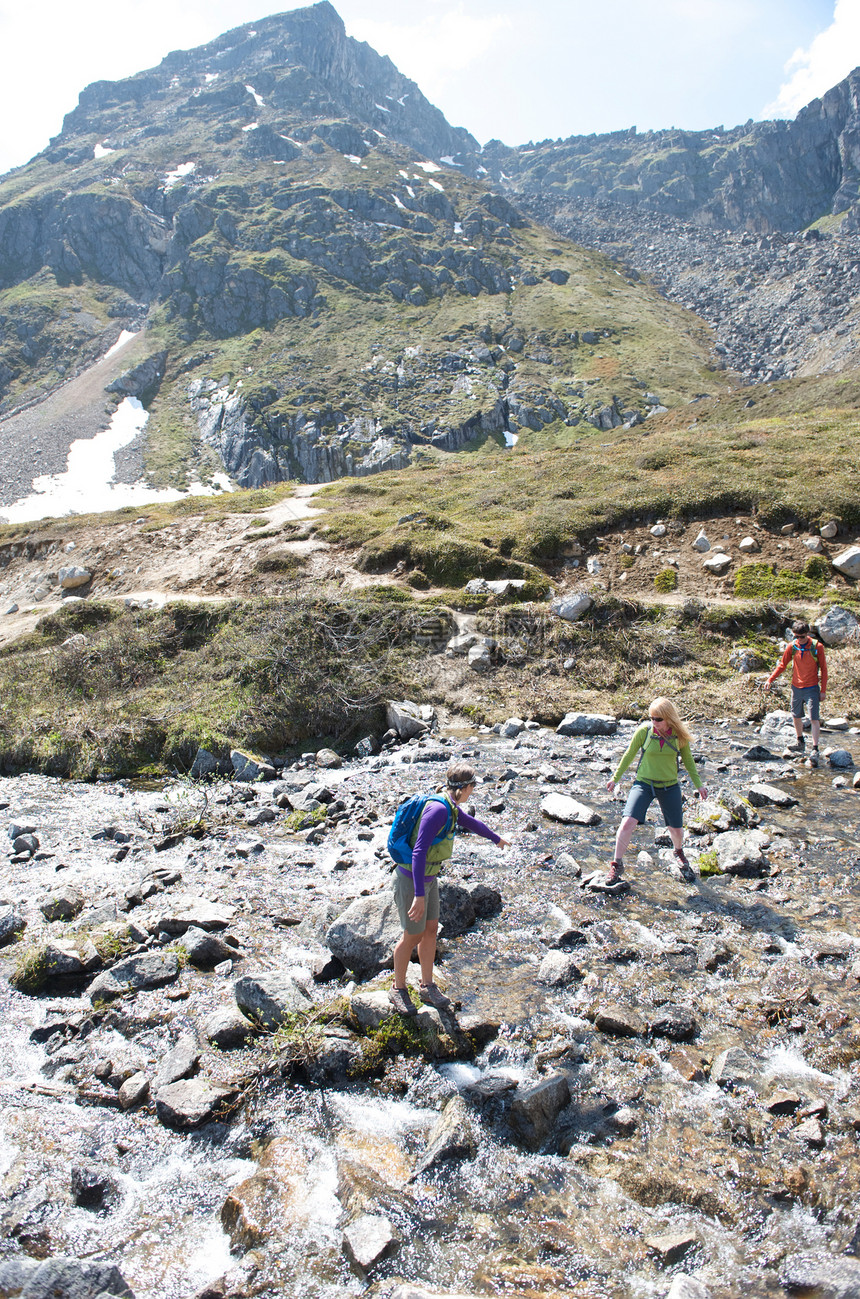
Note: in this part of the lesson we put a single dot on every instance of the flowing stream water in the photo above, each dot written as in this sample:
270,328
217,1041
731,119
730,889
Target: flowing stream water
647,1146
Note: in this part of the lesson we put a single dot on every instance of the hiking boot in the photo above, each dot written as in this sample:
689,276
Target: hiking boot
616,870
685,870
431,995
402,1002
799,746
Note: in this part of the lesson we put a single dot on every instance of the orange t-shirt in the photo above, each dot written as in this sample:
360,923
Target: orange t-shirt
808,662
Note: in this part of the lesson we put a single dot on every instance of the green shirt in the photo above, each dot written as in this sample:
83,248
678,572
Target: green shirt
659,765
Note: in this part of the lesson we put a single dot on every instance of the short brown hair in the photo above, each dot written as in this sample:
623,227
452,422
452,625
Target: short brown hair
459,775
800,628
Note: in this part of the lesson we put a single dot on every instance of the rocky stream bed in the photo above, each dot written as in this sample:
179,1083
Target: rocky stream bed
638,1096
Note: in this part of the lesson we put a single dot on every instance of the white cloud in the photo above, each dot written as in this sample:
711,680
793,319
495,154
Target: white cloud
832,55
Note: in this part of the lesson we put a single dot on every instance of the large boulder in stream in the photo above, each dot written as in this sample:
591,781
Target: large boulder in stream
268,999
266,1205
452,1139
534,1110
151,970
367,1240
741,852
363,937
827,1276
190,1103
587,724
66,1278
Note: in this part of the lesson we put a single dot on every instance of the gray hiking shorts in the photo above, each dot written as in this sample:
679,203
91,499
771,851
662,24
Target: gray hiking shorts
404,895
801,695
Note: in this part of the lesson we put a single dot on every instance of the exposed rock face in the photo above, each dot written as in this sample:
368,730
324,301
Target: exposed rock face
294,107
762,176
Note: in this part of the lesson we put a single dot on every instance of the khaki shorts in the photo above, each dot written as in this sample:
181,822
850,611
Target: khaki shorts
404,895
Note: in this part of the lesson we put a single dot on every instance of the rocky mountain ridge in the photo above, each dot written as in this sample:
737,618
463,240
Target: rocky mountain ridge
761,177
322,297
281,210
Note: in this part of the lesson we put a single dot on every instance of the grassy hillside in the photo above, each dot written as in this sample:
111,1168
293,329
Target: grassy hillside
790,455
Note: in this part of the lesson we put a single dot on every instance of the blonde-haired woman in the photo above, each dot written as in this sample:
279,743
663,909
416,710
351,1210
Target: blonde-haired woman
663,740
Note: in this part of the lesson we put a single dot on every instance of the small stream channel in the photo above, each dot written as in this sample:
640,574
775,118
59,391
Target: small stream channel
648,1146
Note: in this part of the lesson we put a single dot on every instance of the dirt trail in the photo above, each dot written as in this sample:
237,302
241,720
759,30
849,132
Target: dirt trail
276,551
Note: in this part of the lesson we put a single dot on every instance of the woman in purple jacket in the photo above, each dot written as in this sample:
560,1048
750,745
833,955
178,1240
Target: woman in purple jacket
416,889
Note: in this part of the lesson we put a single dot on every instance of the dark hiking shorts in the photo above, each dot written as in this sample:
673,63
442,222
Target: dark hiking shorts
801,695
671,804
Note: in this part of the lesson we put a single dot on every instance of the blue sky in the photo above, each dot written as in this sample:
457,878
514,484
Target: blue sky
498,67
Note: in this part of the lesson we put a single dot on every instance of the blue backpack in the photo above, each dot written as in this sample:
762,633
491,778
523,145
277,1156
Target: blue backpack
406,818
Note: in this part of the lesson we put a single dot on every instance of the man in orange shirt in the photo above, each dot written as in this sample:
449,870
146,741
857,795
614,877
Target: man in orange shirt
807,659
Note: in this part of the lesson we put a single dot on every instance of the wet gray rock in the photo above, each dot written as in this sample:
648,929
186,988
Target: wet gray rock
713,953
810,1132
28,843
67,1278
841,759
227,1028
328,759
824,1275
64,904
179,1062
17,828
486,901
675,1022
741,852
672,1246
457,911
687,1287
758,753
333,1057
761,795
481,1029
619,1021
558,969
452,1139
587,724
367,1240
12,926
363,937
151,970
133,1091
13,1276
560,807
268,999
193,913
94,1186
535,1109
66,958
190,1103
206,950
735,1068
371,1008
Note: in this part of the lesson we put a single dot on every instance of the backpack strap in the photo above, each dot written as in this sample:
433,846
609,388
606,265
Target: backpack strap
449,824
652,735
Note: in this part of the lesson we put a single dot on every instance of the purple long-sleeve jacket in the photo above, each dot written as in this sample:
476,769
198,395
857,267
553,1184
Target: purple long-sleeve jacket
434,818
